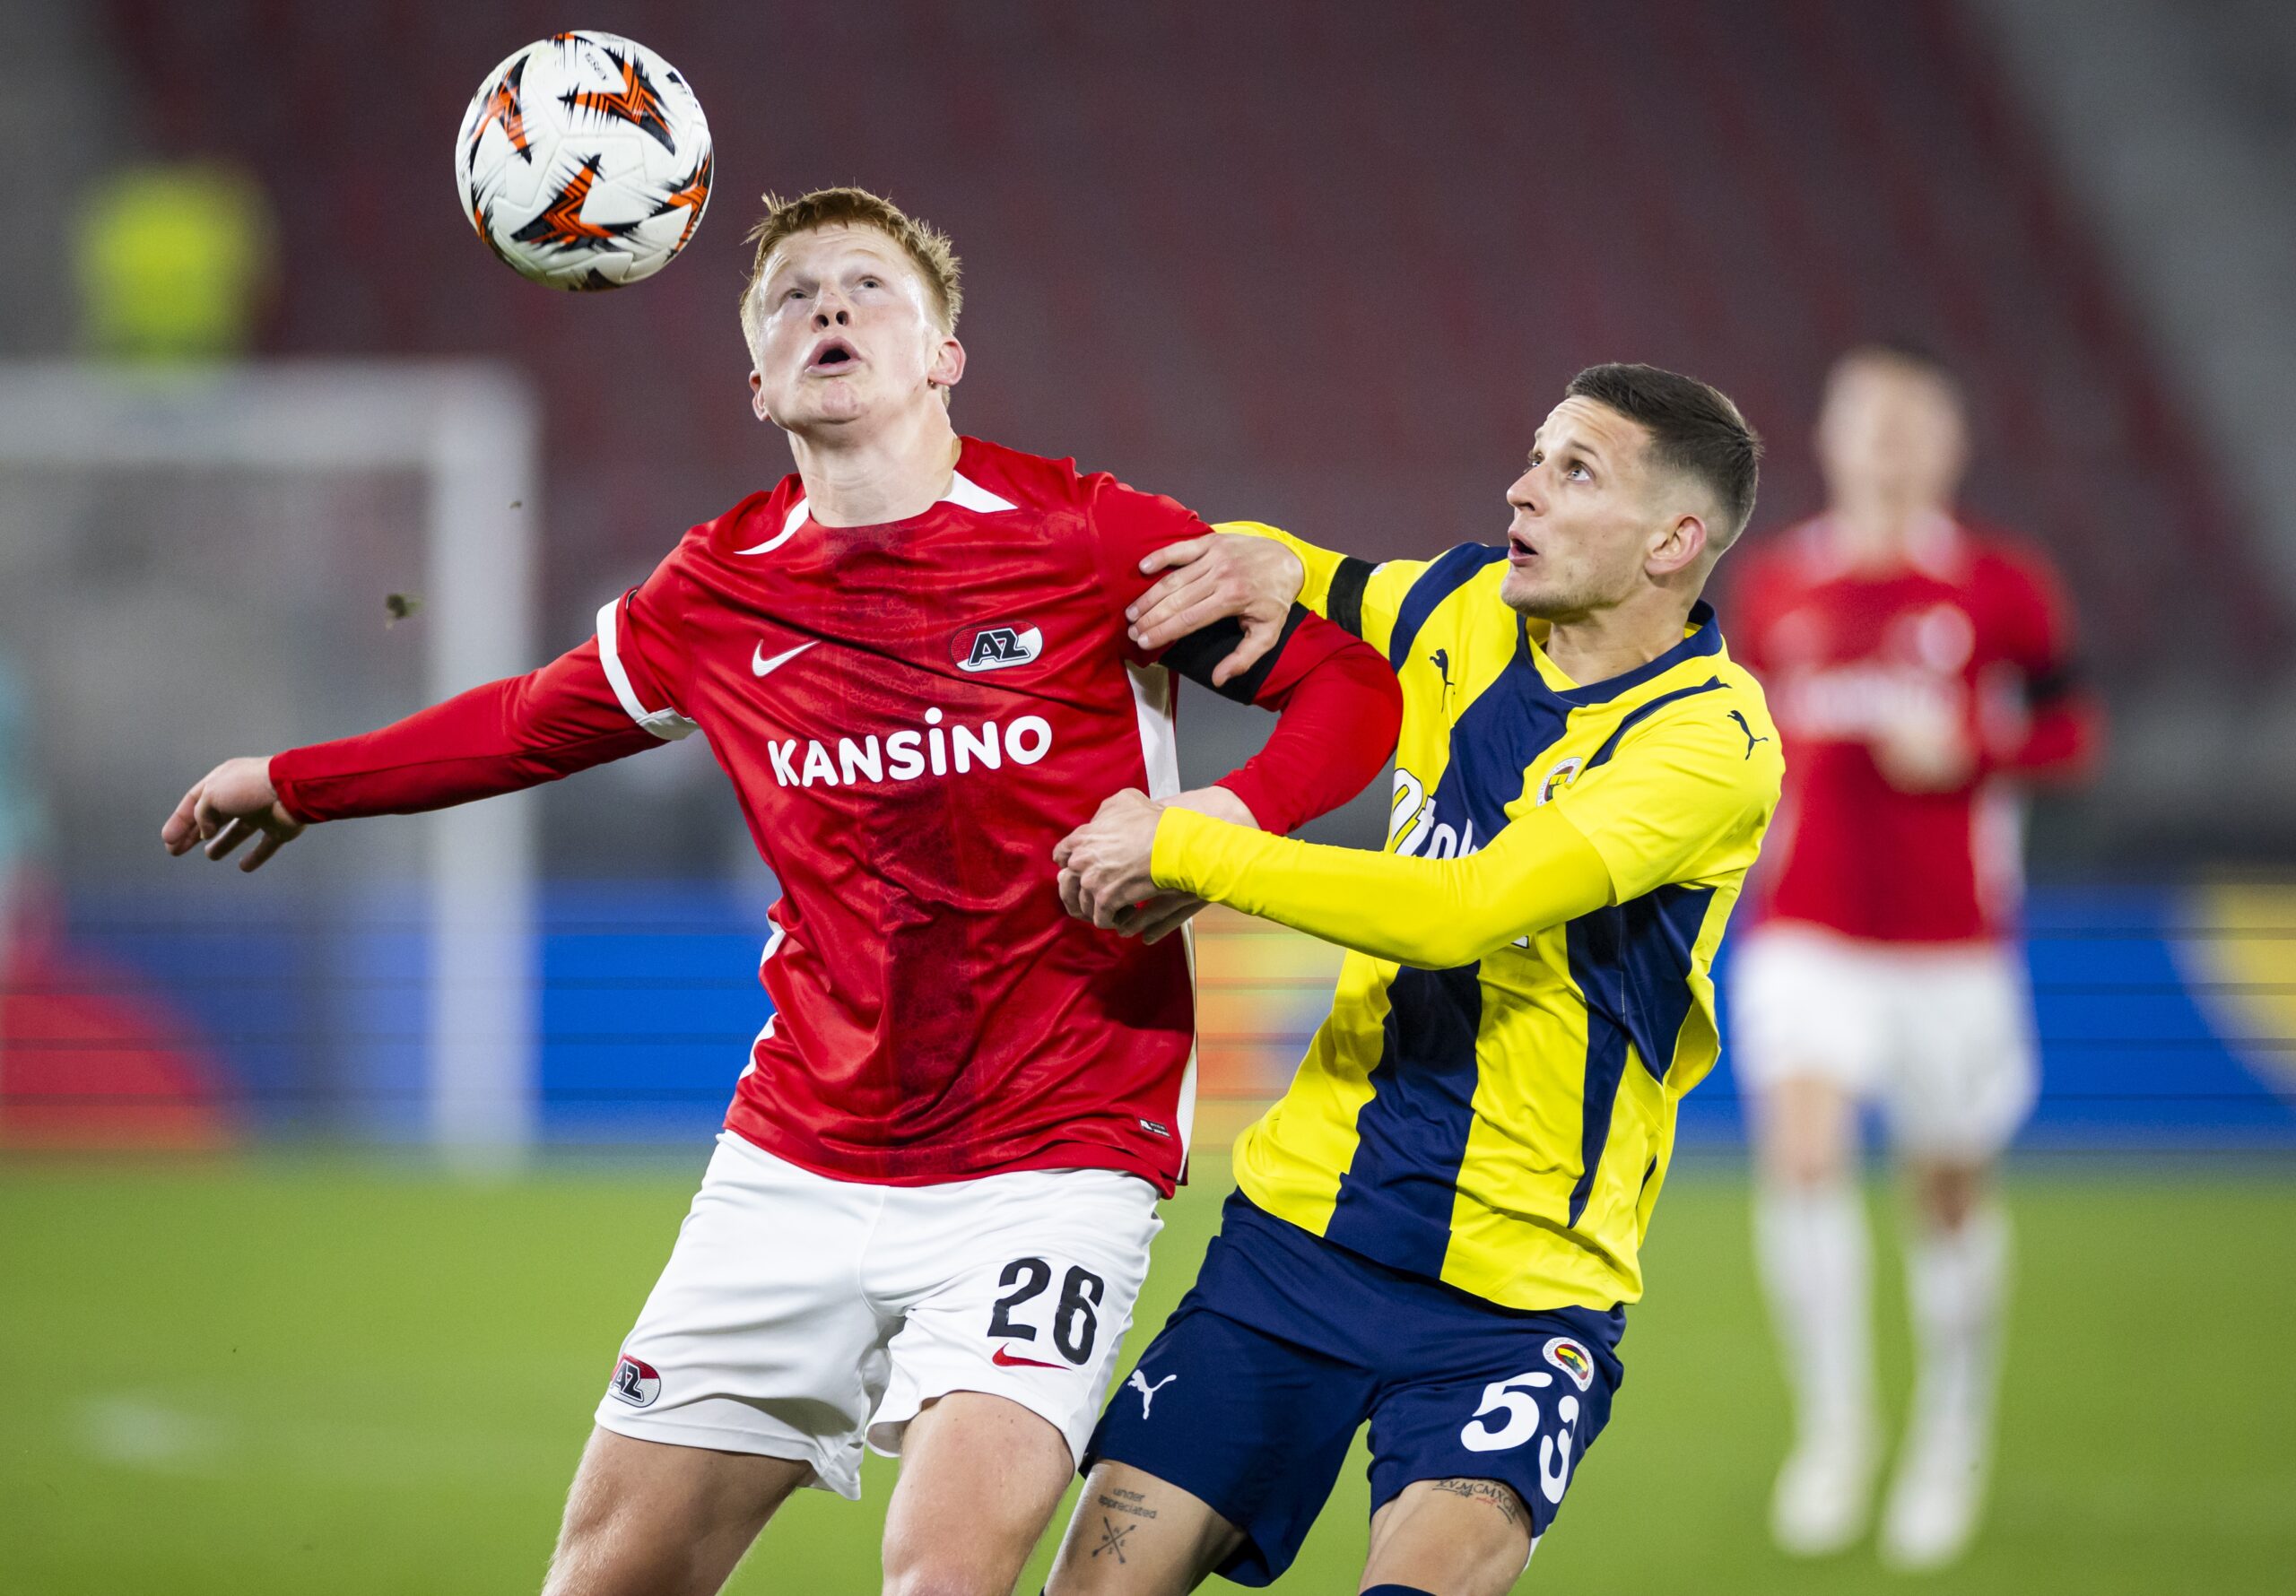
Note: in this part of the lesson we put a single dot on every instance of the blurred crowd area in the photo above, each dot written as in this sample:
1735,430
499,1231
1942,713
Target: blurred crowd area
1320,264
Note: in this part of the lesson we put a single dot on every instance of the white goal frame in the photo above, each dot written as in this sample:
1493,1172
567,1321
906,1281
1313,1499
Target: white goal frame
472,430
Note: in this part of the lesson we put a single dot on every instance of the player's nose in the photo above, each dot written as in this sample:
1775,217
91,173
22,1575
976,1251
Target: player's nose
830,308
1526,493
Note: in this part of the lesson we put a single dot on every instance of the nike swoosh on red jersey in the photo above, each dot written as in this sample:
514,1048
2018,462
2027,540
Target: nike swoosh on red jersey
1003,1359
761,666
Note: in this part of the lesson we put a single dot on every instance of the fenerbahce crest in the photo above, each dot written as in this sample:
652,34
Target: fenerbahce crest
1558,776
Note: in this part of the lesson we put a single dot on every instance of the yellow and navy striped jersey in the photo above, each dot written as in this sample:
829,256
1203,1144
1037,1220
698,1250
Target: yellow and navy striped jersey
1503,1123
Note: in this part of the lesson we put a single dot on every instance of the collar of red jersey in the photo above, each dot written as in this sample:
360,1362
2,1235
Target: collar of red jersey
963,492
1935,546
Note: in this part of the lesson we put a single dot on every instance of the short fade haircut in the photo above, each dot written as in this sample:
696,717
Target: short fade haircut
926,246
1694,429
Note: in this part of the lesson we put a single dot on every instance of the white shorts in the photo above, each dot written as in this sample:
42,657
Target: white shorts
1940,1036
800,1315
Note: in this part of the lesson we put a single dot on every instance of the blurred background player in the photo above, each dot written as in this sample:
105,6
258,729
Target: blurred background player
1919,667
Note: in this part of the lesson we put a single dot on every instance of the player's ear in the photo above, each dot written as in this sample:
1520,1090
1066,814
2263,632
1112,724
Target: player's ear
1677,545
757,396
948,367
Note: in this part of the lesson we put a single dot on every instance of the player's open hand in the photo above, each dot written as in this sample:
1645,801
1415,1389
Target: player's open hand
1211,579
1104,863
1925,751
227,806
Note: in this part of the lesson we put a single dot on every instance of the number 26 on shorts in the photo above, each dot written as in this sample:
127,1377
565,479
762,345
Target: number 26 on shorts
1509,1417
1075,1325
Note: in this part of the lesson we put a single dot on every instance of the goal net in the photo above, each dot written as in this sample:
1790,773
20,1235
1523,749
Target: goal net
201,563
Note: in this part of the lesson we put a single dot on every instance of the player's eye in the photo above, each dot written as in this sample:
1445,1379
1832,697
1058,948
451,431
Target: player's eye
871,282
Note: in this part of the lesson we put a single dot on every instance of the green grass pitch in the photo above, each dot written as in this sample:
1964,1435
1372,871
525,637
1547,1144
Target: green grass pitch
300,1376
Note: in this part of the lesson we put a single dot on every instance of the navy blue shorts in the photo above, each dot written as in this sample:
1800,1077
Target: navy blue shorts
1252,1393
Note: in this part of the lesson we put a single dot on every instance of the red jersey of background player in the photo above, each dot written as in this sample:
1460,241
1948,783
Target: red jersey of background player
1972,627
912,714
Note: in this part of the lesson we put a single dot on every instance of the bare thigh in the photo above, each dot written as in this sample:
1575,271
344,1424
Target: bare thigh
647,1519
1135,1535
979,1477
1459,1537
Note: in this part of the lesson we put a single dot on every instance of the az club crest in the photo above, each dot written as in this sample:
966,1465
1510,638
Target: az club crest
996,647
637,1383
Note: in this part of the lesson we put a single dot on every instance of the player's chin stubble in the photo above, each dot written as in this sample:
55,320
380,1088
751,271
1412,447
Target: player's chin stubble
1542,601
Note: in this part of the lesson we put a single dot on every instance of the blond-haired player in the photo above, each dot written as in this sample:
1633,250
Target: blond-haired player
929,1213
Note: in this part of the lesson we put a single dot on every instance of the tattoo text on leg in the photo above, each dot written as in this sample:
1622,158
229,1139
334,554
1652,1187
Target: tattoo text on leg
1484,1490
1118,1500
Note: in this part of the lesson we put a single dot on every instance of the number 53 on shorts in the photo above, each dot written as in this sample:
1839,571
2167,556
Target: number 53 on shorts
1528,1428
1512,1414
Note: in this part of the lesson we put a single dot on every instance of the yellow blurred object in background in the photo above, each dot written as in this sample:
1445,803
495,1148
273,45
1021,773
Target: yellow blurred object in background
173,262
2245,966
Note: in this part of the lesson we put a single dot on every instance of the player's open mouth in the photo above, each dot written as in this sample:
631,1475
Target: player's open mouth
1519,549
834,356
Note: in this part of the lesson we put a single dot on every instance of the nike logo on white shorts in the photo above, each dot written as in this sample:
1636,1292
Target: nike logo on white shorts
761,666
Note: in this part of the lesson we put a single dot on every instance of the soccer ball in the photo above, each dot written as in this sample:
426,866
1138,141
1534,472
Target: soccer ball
584,161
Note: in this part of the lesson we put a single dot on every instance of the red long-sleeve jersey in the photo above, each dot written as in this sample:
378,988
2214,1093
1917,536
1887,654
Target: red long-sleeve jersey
1973,625
912,714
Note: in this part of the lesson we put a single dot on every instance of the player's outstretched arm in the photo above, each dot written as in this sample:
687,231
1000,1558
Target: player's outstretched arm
498,738
1676,791
1436,914
227,806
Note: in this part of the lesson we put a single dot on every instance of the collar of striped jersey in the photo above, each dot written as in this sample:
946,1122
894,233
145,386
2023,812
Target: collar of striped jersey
1702,636
963,492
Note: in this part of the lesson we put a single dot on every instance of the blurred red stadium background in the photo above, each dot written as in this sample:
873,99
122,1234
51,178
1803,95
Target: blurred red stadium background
1291,259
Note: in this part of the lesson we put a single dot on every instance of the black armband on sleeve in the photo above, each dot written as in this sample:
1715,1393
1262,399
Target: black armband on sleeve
1194,655
2060,680
1345,604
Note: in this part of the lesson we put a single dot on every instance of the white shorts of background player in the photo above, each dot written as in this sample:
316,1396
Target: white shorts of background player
800,1315
1940,1036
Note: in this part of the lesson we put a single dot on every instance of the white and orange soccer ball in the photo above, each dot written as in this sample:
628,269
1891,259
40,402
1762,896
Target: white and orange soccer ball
584,161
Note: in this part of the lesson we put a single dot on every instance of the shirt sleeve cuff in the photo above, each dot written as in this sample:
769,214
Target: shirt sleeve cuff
285,784
1176,831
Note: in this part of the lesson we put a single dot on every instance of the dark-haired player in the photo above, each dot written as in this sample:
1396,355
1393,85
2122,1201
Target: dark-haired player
1919,667
929,1214
1438,1226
